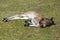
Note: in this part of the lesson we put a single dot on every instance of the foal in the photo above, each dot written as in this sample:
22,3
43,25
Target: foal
35,19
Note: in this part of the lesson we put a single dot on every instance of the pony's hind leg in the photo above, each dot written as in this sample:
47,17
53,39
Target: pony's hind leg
23,16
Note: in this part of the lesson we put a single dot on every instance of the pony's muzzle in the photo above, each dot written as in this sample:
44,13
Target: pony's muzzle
5,19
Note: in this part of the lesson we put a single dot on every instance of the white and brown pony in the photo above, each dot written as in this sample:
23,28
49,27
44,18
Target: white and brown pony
32,18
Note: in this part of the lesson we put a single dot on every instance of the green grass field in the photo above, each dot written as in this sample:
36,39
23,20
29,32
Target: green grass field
14,30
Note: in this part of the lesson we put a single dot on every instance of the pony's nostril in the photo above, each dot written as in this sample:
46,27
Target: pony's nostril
5,19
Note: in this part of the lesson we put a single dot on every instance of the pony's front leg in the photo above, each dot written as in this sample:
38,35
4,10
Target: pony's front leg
31,22
16,17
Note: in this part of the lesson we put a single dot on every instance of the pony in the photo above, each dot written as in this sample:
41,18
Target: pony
31,18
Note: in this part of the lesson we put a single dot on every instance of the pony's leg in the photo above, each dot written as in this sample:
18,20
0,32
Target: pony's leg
34,23
18,17
27,22
23,16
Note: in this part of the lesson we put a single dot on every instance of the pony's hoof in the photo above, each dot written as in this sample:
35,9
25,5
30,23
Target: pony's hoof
26,25
5,20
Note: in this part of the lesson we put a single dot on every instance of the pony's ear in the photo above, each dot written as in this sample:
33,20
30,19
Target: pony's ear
51,19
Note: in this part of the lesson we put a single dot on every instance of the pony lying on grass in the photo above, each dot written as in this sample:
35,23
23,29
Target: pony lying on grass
32,19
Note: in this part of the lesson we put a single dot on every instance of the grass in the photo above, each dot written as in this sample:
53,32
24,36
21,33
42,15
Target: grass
14,30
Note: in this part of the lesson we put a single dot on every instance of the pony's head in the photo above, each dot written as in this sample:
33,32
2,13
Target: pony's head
47,22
